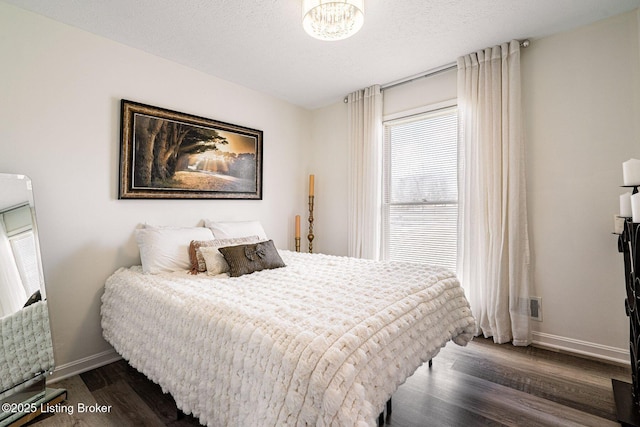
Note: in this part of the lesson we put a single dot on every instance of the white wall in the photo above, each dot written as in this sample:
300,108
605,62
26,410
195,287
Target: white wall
329,162
581,97
60,91
428,91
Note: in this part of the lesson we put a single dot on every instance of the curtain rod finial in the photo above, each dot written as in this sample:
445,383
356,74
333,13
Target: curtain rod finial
525,43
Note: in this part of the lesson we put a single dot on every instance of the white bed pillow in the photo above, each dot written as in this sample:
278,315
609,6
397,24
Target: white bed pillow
213,259
166,249
234,229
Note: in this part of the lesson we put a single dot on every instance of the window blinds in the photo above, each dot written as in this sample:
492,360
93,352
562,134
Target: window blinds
420,200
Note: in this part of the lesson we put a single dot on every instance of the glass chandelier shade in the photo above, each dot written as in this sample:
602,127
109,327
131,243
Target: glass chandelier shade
332,20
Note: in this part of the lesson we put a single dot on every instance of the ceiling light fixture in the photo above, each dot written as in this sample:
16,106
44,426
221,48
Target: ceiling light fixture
332,20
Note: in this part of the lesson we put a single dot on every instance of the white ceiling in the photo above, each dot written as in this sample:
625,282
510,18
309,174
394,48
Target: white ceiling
260,44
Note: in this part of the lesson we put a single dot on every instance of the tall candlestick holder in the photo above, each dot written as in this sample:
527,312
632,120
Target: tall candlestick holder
310,236
297,244
627,395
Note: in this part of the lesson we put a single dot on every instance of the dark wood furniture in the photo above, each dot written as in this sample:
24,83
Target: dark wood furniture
627,395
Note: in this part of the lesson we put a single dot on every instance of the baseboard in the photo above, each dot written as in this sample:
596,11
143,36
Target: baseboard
584,348
83,365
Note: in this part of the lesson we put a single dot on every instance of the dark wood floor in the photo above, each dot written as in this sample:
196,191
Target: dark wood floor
482,384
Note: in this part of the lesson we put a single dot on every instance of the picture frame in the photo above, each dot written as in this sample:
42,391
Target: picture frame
166,154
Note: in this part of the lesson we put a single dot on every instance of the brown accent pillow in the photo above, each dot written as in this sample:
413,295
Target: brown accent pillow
195,258
246,259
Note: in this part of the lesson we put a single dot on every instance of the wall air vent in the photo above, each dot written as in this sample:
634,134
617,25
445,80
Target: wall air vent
535,305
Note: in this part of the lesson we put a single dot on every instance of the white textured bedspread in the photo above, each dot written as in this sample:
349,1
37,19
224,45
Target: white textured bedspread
324,341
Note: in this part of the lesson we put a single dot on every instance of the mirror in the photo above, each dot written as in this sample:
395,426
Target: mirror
20,273
26,350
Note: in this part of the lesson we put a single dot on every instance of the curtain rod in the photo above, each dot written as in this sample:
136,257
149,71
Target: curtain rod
524,43
429,73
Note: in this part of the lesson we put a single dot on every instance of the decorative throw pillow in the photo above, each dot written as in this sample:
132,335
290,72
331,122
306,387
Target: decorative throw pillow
212,260
195,257
246,259
34,298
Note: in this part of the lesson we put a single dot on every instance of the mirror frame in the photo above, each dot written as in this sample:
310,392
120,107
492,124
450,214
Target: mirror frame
31,388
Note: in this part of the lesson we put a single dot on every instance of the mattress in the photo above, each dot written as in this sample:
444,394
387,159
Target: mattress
323,341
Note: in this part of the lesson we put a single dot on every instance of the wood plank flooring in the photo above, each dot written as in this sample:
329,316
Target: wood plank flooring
483,384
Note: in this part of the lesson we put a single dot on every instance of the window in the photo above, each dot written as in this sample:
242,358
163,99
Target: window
24,250
420,200
19,228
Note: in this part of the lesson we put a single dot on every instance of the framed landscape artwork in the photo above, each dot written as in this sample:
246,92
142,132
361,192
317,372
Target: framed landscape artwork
169,155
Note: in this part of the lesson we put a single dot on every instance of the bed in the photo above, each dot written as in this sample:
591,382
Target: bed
323,341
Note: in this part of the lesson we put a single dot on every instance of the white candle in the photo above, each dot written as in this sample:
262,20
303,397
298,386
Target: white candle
625,205
618,224
635,207
631,172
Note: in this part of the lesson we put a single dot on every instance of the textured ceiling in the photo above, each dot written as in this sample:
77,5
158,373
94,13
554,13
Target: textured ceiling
260,44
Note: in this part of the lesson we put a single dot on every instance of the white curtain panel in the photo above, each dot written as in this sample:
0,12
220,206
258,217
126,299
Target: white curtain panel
494,264
365,172
12,293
